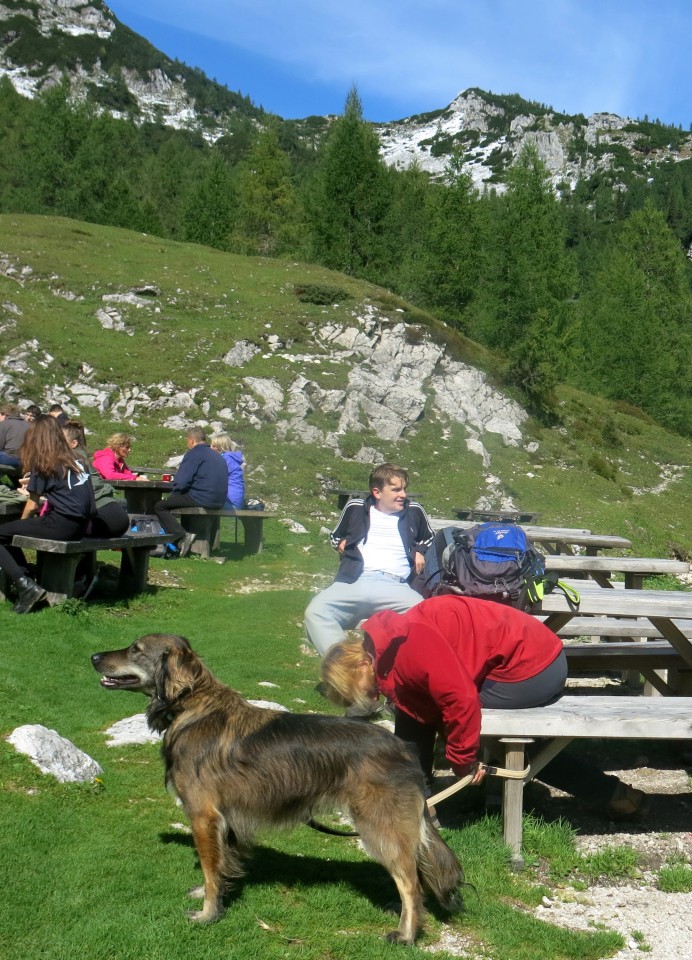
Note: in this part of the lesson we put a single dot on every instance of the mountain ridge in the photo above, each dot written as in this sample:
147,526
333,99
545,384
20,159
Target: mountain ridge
118,70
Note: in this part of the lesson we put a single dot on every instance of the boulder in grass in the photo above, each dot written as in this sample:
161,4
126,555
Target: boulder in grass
54,754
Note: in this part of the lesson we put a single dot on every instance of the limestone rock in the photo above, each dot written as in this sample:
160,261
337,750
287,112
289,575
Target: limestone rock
240,354
54,754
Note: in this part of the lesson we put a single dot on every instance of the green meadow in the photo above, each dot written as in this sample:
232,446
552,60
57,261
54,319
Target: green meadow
102,869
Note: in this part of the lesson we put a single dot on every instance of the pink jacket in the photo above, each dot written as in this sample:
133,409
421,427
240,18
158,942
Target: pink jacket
111,466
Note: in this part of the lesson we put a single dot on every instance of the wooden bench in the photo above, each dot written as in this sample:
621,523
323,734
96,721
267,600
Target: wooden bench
205,523
647,658
57,561
509,732
601,569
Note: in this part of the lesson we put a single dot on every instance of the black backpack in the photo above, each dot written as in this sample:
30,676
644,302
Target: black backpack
491,561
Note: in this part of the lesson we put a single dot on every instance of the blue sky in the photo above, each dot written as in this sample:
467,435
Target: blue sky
300,57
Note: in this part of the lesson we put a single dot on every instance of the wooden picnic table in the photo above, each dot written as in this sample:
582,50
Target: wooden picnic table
141,495
343,496
661,607
601,569
555,540
476,515
153,471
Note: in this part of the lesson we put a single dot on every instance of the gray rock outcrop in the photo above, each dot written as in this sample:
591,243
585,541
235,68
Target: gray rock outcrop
54,754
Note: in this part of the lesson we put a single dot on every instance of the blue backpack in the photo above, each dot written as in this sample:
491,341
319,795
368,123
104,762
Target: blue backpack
491,561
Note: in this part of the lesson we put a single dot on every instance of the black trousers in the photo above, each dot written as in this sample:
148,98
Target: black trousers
111,520
52,526
170,523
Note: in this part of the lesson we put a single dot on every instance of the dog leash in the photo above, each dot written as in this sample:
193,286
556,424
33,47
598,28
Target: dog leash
465,781
438,797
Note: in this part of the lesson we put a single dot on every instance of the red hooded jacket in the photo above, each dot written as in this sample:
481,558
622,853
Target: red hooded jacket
432,660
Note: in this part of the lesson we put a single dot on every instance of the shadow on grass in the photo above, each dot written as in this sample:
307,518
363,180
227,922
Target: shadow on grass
268,866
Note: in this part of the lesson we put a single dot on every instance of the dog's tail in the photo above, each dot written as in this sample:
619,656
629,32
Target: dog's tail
439,869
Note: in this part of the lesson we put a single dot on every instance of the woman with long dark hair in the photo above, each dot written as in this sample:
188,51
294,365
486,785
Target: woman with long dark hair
59,506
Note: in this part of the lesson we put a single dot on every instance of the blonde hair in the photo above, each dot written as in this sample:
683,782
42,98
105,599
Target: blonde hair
223,443
340,673
119,440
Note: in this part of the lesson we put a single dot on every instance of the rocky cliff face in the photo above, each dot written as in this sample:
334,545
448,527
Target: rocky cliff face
159,93
491,131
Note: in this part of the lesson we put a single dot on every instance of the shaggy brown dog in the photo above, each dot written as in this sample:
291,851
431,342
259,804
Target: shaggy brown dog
237,767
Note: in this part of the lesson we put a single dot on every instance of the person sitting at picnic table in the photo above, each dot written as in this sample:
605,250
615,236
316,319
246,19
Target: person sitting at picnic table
201,481
56,410
446,658
110,462
59,476
111,518
235,464
31,412
13,428
381,541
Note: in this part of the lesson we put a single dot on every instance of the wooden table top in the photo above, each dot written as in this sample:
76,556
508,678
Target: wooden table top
141,484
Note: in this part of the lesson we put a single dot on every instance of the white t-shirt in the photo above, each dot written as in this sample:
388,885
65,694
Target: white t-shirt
384,549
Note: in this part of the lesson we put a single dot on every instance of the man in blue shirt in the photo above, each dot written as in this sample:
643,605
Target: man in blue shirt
201,481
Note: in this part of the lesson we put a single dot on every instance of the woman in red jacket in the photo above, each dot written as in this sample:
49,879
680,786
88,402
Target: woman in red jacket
443,660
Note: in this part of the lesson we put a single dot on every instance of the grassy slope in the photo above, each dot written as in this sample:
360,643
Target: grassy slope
210,300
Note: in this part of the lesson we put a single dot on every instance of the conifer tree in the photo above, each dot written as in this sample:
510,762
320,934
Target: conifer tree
211,207
636,340
347,202
455,244
267,201
529,269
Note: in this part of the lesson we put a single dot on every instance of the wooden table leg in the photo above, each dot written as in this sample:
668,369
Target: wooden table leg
513,798
134,569
56,573
254,532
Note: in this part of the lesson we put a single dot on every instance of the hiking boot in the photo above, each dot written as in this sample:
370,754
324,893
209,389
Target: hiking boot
185,544
28,593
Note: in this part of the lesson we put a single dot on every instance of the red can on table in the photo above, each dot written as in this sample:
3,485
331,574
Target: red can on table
166,476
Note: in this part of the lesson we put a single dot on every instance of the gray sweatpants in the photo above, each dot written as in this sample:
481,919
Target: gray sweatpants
342,606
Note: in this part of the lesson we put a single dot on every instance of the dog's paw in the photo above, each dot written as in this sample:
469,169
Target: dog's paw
197,893
203,916
396,937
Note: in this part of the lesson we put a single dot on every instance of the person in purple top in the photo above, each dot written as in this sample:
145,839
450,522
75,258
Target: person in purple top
235,464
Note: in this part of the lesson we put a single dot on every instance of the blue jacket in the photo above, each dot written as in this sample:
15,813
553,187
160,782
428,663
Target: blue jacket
203,476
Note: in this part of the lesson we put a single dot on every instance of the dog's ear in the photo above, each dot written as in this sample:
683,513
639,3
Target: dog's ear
177,672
